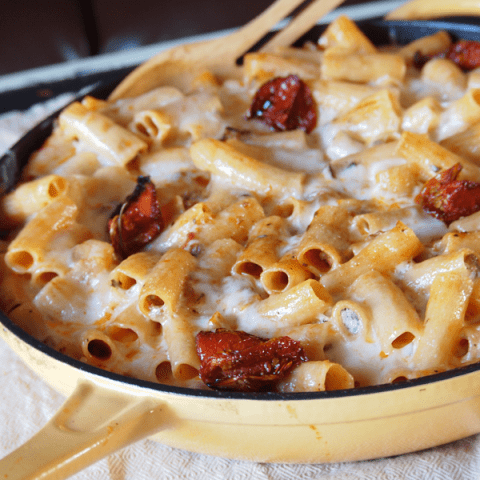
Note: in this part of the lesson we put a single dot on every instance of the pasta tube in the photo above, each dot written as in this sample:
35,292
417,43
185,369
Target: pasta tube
261,250
401,179
98,347
375,118
344,33
229,164
335,97
467,347
465,143
317,376
460,114
296,306
31,197
325,243
428,45
284,275
362,67
455,241
470,223
152,124
383,253
314,337
394,320
113,144
441,71
164,284
380,221
352,319
133,270
423,116
182,353
261,67
422,274
444,319
432,157
54,225
56,150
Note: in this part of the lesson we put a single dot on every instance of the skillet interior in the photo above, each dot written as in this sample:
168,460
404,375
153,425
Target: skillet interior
381,33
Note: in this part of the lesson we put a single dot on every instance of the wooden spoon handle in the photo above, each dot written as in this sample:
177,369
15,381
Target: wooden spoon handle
302,23
244,38
425,9
221,52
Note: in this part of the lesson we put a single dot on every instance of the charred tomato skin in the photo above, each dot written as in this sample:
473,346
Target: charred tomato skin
464,53
285,103
236,360
137,221
447,198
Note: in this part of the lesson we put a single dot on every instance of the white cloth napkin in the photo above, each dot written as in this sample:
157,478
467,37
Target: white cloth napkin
26,404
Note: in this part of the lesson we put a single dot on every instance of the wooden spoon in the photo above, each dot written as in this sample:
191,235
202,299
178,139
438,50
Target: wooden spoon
179,65
301,24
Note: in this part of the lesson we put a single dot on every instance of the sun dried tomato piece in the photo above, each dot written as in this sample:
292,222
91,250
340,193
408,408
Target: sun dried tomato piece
236,360
464,53
137,221
447,198
285,103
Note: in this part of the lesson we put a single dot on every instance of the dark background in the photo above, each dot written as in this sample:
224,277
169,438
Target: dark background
36,33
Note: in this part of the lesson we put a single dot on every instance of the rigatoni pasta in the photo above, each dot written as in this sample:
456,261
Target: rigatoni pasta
310,225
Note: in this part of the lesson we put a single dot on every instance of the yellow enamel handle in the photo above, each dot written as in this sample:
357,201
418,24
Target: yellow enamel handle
91,424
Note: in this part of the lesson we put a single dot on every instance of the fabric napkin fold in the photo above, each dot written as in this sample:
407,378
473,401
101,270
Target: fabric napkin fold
27,403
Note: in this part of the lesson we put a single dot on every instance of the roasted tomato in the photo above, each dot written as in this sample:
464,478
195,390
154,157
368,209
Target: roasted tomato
285,103
465,53
137,221
447,198
235,360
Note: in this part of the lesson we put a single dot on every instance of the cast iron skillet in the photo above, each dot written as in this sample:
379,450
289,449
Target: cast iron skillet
106,411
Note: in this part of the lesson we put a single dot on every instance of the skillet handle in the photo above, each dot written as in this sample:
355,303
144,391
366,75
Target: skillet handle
92,423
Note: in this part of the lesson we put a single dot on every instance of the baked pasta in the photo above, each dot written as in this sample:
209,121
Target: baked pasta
312,224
